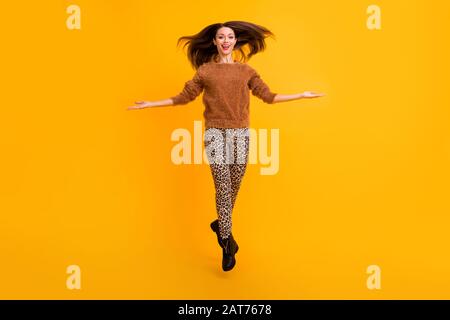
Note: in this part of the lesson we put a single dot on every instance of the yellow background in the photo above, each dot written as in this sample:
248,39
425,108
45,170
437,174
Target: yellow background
364,172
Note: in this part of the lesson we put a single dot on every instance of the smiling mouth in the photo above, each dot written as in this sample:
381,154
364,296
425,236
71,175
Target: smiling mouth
225,47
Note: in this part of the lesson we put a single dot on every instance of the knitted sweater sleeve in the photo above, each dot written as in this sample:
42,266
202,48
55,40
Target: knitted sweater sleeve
259,88
191,90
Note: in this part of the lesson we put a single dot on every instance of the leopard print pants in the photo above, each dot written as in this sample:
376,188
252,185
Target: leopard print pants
227,151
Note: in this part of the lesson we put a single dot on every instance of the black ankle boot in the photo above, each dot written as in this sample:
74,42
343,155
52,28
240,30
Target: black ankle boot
229,248
215,227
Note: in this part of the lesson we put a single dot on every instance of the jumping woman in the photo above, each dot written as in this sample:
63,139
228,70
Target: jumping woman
225,83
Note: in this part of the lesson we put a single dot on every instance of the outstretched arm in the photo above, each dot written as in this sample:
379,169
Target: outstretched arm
261,90
149,104
191,90
296,96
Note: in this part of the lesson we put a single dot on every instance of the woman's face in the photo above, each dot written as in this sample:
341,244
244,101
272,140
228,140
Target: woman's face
225,40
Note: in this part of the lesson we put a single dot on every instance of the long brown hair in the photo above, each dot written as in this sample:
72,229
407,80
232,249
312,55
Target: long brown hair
250,41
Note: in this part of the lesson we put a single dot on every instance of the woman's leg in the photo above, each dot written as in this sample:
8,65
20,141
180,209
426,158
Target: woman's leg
220,170
227,175
238,168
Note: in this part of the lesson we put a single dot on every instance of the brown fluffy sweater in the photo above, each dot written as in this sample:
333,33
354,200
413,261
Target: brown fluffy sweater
225,89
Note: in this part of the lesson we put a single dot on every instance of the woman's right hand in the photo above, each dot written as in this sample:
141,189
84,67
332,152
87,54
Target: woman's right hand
141,105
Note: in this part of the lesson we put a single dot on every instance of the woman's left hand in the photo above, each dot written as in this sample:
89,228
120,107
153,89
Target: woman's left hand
310,94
